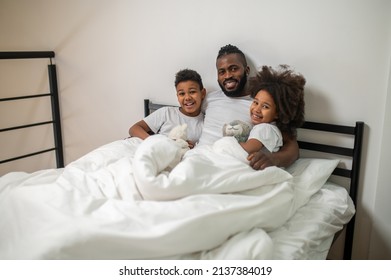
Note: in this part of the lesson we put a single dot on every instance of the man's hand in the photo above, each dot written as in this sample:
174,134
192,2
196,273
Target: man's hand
261,159
191,144
283,158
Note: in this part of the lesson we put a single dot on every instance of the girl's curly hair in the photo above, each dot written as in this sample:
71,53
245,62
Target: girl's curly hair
287,90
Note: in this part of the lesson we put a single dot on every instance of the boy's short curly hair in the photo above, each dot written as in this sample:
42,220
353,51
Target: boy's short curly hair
230,49
188,75
287,90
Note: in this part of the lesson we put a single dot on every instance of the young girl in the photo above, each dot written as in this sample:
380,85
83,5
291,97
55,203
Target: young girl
190,93
277,108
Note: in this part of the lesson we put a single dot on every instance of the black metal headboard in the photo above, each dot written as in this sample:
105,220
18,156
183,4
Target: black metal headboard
353,153
149,106
55,107
353,173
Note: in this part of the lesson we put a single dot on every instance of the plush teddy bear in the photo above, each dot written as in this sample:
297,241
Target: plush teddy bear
179,135
239,129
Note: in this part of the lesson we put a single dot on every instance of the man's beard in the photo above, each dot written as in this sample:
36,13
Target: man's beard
239,90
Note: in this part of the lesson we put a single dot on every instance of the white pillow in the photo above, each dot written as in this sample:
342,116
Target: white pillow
309,175
309,233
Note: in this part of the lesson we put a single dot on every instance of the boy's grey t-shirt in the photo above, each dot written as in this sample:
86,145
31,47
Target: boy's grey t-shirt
164,119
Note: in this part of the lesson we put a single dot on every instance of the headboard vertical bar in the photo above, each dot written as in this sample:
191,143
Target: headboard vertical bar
357,150
56,115
146,107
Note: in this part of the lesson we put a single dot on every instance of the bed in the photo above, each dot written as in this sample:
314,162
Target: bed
125,200
318,140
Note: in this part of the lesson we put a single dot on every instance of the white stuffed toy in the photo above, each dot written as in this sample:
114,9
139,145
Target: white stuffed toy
179,135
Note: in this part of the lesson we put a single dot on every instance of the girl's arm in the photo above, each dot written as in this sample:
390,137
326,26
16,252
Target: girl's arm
252,145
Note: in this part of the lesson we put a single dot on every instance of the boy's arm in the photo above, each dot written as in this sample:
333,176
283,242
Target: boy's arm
140,130
288,153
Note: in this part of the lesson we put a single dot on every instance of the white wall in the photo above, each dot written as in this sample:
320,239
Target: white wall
381,231
111,54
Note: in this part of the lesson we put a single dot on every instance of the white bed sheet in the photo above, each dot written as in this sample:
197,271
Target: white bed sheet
309,233
93,209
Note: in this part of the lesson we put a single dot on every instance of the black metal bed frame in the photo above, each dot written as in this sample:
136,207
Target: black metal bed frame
55,106
354,153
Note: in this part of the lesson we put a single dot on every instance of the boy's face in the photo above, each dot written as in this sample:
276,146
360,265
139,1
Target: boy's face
190,97
263,109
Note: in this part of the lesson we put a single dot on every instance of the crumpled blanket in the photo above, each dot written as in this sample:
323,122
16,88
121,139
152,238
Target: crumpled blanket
118,202
204,170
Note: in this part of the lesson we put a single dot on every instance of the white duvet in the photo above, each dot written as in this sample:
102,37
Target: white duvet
122,201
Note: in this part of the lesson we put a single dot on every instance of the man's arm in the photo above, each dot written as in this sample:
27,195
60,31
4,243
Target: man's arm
287,155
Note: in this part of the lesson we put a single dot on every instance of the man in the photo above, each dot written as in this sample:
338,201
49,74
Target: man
232,102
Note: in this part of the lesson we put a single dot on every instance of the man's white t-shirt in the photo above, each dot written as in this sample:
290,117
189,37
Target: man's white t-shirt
220,109
164,119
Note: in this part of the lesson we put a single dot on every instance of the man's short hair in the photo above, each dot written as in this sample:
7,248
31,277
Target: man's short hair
230,49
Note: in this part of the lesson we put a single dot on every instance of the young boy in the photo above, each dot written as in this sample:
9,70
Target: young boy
190,93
